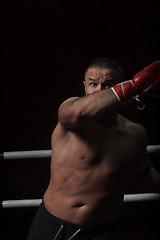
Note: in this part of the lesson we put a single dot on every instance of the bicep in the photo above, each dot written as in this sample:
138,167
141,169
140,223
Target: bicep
145,176
141,163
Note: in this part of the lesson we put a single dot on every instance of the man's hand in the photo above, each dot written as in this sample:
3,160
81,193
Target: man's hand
144,80
147,78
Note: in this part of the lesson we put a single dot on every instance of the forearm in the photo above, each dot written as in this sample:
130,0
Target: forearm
95,106
148,182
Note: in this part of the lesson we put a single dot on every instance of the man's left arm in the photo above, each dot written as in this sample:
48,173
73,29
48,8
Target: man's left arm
145,175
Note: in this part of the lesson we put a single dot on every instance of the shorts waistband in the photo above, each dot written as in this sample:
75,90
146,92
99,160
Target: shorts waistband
54,219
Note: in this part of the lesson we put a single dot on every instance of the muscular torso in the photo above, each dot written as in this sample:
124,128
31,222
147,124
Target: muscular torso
89,171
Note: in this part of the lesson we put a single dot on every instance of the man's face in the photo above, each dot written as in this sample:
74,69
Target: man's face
97,79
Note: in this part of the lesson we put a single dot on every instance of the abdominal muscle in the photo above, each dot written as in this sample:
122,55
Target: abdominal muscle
88,181
86,196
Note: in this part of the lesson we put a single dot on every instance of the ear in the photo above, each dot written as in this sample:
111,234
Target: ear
84,83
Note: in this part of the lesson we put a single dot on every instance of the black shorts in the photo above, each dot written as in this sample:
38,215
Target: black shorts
45,226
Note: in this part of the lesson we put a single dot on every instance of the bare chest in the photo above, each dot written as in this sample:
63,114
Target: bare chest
96,144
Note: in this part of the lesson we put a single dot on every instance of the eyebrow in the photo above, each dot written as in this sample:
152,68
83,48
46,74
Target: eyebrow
107,80
92,79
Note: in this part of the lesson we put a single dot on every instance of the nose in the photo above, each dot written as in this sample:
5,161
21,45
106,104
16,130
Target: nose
99,87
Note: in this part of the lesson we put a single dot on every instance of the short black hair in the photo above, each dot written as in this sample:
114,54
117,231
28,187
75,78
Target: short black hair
105,62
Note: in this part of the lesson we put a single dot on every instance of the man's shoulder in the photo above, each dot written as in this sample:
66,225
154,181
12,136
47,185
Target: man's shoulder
130,124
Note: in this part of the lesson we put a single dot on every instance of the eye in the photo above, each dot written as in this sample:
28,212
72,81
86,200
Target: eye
93,84
108,84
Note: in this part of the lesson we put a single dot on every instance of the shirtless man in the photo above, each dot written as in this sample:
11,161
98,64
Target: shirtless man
94,152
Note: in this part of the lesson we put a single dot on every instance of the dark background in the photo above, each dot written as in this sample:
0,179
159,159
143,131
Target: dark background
45,47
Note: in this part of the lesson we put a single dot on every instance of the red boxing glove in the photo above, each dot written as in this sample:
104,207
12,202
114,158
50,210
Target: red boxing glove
142,82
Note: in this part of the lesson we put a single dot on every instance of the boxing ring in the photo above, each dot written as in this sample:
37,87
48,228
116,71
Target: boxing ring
144,197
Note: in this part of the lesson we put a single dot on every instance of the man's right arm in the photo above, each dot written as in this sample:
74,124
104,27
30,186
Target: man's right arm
75,112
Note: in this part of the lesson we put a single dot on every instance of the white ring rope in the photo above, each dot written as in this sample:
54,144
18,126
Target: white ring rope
36,202
47,153
21,203
141,197
27,154
153,149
